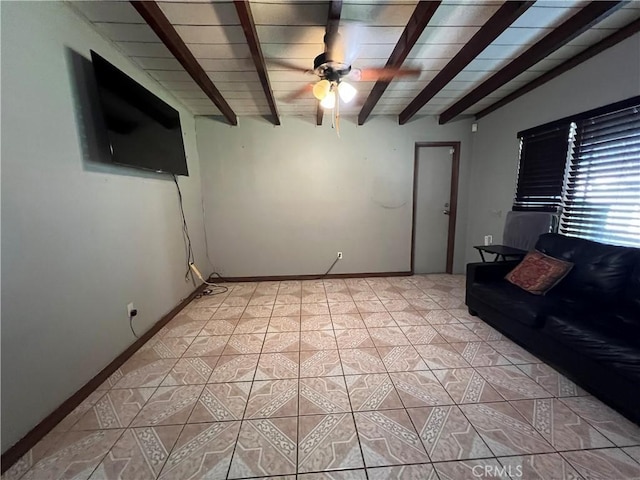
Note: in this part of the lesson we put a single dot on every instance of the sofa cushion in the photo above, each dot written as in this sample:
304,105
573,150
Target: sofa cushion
600,271
538,273
613,343
632,293
511,301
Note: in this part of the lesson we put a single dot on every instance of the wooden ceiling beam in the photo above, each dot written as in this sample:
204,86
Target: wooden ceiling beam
160,24
331,32
592,51
249,27
498,23
410,35
569,30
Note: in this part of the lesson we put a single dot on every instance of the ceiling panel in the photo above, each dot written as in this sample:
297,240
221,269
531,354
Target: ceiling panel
447,35
152,63
210,34
297,13
126,32
457,15
373,13
144,49
220,51
205,13
108,12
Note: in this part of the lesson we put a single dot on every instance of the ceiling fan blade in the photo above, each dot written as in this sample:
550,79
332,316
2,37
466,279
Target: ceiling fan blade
384,74
287,65
304,91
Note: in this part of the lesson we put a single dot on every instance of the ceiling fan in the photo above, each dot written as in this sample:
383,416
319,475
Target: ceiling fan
334,67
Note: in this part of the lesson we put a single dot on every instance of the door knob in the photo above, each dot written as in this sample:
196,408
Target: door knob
446,212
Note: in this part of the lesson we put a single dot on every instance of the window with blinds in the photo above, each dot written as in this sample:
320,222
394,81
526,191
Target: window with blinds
543,159
602,189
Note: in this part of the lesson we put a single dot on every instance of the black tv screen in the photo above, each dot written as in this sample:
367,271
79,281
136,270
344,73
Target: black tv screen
143,131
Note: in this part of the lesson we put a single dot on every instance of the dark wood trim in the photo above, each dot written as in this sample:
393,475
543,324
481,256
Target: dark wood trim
331,33
453,199
588,16
410,35
592,51
594,112
155,18
319,114
278,278
249,27
13,454
508,13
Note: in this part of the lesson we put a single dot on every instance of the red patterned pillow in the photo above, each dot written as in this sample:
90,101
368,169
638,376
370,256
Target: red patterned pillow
538,273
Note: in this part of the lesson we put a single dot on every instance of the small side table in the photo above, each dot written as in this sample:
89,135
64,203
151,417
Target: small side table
501,251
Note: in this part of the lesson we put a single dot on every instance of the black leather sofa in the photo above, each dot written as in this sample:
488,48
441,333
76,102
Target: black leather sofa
587,326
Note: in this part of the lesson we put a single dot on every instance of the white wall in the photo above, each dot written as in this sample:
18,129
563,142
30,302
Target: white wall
79,240
283,200
611,76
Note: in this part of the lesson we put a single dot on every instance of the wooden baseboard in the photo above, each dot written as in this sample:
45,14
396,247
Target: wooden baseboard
13,454
279,278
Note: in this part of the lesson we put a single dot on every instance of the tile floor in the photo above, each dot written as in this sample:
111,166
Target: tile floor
382,378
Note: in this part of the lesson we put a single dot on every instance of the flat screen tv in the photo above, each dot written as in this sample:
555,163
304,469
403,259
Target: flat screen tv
143,131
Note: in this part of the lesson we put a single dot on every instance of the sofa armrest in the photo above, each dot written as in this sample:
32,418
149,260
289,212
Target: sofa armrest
488,271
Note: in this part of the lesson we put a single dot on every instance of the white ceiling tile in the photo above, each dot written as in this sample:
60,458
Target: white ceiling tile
473,76
220,51
211,34
378,13
248,102
291,76
487,64
144,49
378,34
234,76
126,32
434,51
197,102
190,94
247,94
502,52
565,52
591,37
544,17
170,75
227,65
463,15
288,86
214,13
105,11
295,13
239,86
410,94
621,18
285,51
289,34
153,63
375,51
173,85
521,36
546,64
447,35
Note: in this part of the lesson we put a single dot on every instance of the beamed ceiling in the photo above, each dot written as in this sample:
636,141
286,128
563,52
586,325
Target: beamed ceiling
230,59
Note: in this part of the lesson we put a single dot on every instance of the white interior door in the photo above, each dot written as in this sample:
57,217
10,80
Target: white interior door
434,167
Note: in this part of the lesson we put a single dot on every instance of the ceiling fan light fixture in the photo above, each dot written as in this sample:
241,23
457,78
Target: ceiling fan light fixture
329,101
346,91
321,89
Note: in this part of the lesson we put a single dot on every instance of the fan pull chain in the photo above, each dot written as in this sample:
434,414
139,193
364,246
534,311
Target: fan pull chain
337,112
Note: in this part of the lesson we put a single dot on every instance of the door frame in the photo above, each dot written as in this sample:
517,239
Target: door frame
453,199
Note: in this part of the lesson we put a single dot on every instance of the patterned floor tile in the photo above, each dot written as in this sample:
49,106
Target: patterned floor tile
33,456
144,369
274,366
361,360
273,398
441,355
74,456
548,466
487,468
463,315
485,332
423,304
200,313
397,305
255,311
560,426
265,447
244,344
318,340
513,352
420,389
139,454
404,358
316,322
633,452
374,391
236,301
167,347
479,354
378,319
284,324
221,402
424,471
203,451
408,318
320,363
334,475
354,338
190,371
555,383
307,309
252,325
219,327
287,310
342,307
343,321
168,406
610,423
328,442
234,368
116,409
465,385
364,295
512,383
225,312
388,337
439,317
207,346
281,342
370,306
610,463
182,326
446,434
456,333
313,297
288,299
69,421
504,430
260,299
322,395
388,437
339,296
422,335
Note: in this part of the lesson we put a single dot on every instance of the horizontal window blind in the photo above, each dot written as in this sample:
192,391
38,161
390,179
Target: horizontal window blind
602,192
543,158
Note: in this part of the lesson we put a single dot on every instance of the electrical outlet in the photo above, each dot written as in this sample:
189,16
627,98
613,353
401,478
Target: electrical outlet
339,255
130,308
488,239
